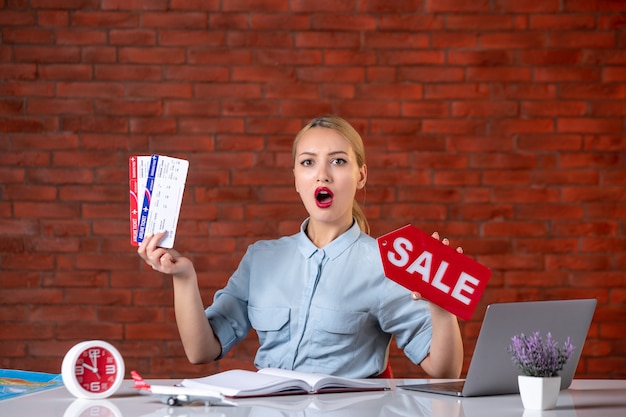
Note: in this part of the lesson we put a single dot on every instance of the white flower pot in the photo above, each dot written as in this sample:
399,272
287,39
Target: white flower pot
539,393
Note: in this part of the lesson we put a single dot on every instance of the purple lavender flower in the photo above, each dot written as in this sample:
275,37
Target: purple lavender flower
536,358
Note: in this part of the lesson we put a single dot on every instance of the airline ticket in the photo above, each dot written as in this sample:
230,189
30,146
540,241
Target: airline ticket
159,194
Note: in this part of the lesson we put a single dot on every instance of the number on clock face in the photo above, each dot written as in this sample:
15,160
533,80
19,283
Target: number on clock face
96,369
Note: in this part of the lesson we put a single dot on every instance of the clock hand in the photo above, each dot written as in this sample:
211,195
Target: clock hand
91,368
94,360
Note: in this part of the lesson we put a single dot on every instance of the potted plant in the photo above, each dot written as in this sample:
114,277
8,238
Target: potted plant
540,362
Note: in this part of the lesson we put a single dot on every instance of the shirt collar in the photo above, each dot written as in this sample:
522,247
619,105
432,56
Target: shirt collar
334,248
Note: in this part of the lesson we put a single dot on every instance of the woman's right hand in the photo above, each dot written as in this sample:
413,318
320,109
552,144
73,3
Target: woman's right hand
167,261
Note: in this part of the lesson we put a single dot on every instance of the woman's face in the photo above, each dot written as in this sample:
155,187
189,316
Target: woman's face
327,175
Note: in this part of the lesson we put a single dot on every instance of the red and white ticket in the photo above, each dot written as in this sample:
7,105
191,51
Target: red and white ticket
160,196
138,166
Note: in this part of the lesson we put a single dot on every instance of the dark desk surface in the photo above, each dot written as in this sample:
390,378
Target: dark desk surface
592,398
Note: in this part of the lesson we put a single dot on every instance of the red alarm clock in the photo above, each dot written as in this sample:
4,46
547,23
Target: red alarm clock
92,369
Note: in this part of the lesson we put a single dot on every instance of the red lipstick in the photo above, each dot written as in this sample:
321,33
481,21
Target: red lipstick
323,197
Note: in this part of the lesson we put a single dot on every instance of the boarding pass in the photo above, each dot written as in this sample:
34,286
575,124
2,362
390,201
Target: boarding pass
157,185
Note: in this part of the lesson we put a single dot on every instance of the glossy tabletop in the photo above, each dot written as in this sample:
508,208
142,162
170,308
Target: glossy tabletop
593,398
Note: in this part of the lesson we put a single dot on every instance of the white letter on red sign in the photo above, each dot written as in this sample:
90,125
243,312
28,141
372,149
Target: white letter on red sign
401,245
461,286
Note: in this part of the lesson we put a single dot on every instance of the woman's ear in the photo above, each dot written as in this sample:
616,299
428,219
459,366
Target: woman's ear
362,177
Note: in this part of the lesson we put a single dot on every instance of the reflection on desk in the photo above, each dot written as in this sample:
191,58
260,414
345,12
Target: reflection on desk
585,398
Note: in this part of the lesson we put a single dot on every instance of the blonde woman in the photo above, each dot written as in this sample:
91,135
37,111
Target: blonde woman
318,300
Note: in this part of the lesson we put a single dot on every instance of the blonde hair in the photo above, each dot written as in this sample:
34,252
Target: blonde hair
346,130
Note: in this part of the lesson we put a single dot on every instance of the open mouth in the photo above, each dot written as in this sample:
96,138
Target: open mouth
323,197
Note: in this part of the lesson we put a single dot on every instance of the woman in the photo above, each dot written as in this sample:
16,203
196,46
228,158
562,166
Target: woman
318,299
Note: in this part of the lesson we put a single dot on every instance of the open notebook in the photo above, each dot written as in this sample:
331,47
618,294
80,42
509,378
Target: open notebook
238,383
491,370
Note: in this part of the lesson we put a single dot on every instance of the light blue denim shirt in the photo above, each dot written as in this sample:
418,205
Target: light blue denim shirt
328,310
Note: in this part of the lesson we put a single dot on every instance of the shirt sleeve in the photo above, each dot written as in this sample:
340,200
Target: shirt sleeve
228,315
409,321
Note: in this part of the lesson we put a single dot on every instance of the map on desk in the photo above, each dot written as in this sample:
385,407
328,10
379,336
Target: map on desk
14,383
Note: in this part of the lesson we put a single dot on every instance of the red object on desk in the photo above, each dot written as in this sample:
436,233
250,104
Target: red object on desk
438,272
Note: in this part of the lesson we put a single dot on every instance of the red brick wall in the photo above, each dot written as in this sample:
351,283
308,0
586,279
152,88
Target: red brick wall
498,123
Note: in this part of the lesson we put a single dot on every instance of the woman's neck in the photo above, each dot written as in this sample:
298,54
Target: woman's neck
321,234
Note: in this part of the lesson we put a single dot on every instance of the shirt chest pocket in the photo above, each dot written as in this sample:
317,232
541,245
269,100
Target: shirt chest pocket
337,328
271,325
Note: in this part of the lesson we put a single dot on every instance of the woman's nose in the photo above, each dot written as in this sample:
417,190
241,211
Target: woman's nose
322,175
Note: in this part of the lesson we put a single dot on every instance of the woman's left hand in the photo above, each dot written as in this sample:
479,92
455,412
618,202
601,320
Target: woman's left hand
416,295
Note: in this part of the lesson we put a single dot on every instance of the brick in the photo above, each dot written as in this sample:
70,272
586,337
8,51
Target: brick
343,22
430,74
145,125
30,192
503,40
95,124
566,74
456,6
550,57
517,126
455,40
335,57
105,19
584,39
128,72
481,58
587,159
533,6
479,144
525,91
53,18
17,18
456,91
314,74
260,39
485,109
45,54
613,74
596,6
28,36
410,22
590,194
135,37
72,72
562,22
321,39
18,72
590,125
168,20
211,125
408,40
482,22
411,58
99,54
152,55
612,22
548,108
80,37
59,106
89,89
134,5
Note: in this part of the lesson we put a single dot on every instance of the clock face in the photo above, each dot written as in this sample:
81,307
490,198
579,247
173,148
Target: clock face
96,369
93,369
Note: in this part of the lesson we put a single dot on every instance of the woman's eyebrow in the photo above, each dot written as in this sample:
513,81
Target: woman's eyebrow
333,153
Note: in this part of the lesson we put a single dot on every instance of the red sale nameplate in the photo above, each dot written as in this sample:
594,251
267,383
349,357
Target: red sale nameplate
438,272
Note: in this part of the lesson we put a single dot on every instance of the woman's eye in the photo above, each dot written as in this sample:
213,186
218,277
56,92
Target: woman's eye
306,162
338,161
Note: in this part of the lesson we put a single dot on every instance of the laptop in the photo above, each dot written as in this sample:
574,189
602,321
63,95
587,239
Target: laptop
491,371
